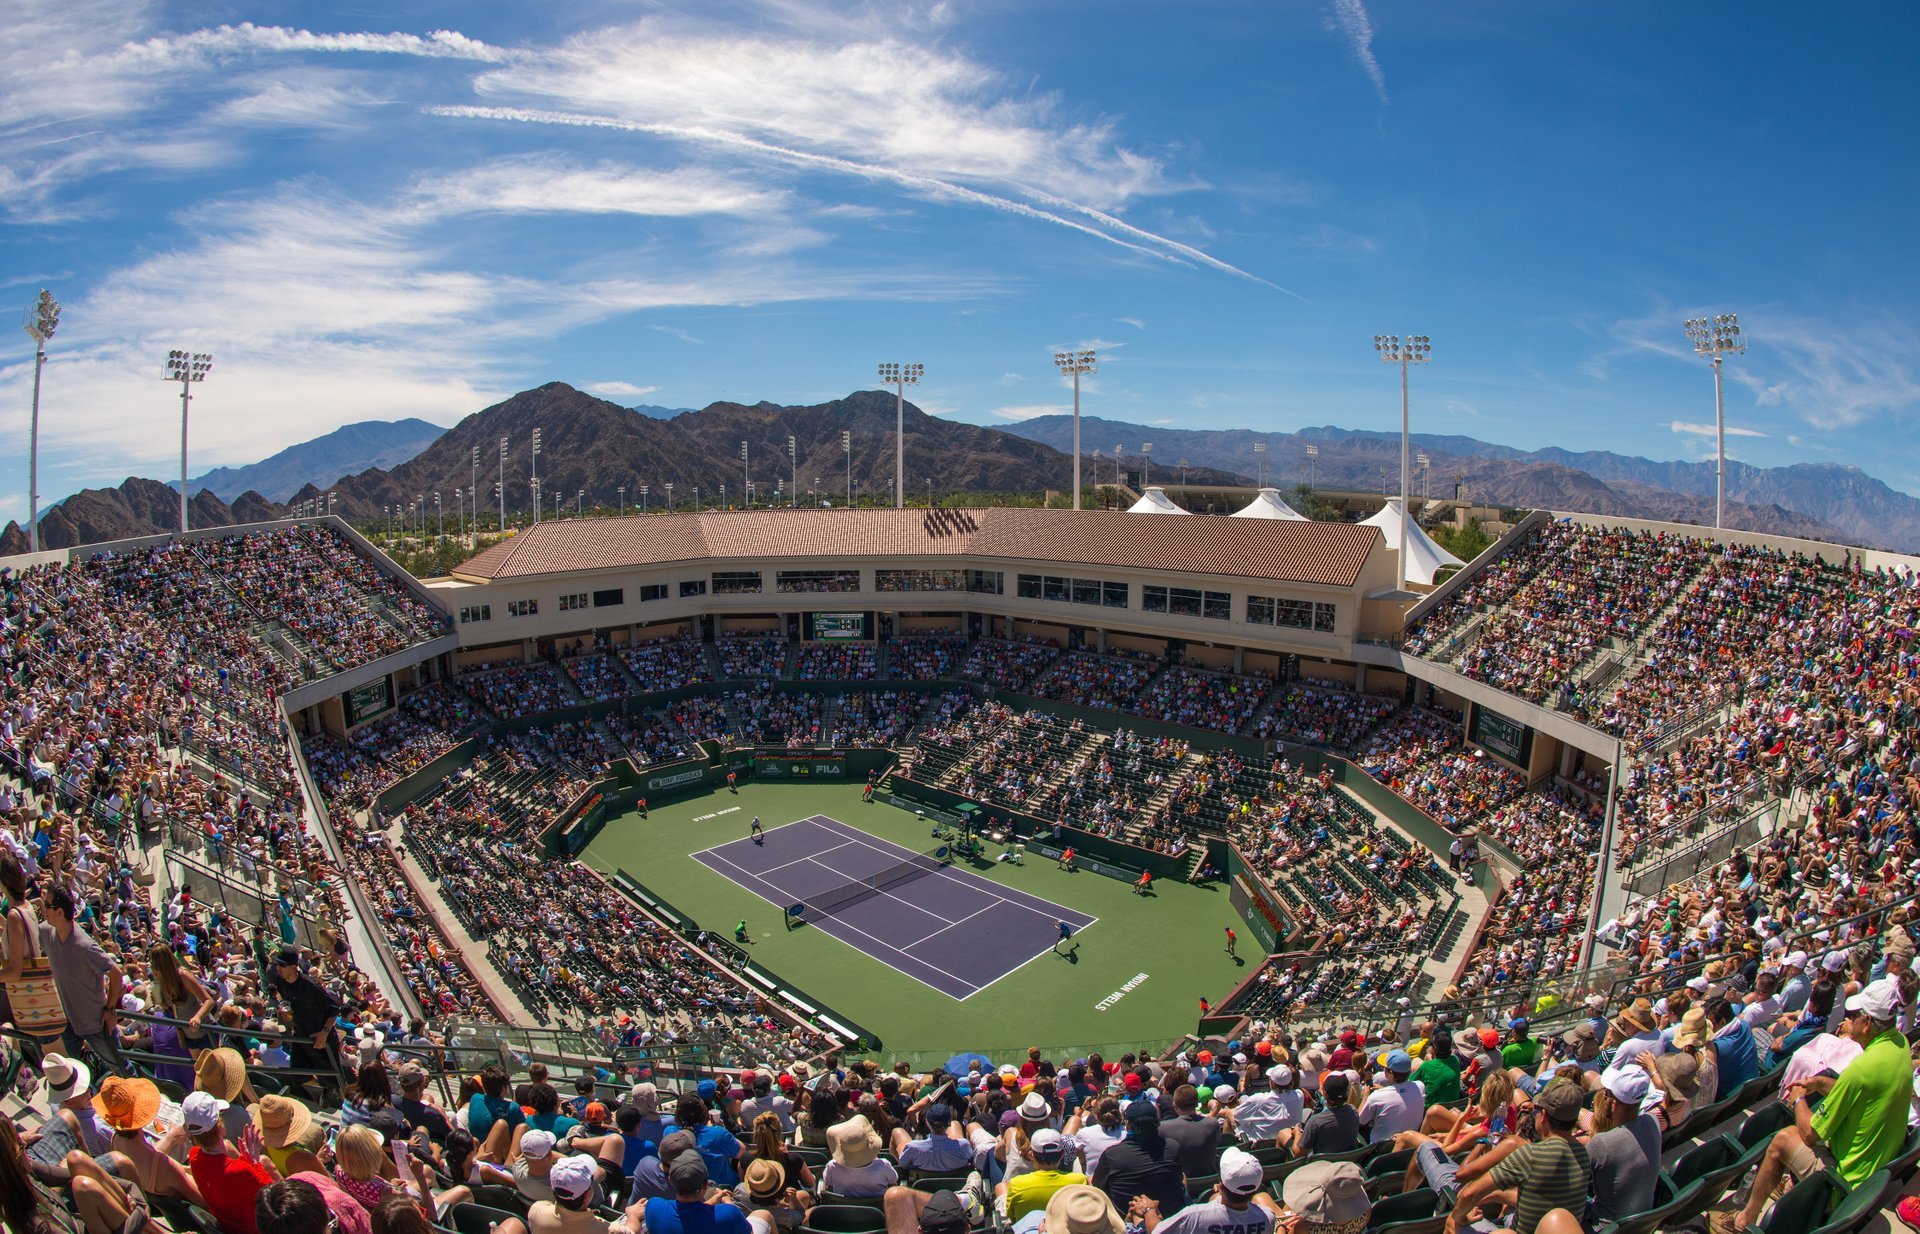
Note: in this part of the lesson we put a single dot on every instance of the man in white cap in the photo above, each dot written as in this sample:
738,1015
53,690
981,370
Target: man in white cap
1270,1107
227,1182
1625,1148
1862,1123
1795,987
1237,1205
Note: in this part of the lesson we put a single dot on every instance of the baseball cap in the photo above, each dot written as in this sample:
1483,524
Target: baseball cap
939,1115
1239,1171
595,1112
1629,1084
536,1143
687,1173
1879,1000
675,1143
201,1112
1399,1062
571,1177
1143,1114
706,1089
1835,961
1047,1143
945,1213
1489,1037
1280,1076
1562,1100
287,957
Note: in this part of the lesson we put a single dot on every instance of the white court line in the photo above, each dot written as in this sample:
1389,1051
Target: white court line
882,943
966,878
950,925
1022,964
768,830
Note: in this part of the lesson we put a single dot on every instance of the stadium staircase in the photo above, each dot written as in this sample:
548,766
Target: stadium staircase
882,663
1154,809
712,655
1267,705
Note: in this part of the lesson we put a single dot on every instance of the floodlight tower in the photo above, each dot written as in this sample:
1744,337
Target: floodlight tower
846,448
186,368
1260,463
900,376
1074,363
746,476
1716,338
793,461
1413,349
1146,467
535,475
42,319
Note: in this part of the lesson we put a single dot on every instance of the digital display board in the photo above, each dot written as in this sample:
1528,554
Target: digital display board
839,627
1510,739
368,701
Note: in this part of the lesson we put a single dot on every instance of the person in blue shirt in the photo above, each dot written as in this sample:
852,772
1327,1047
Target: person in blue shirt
1734,1043
491,1105
688,1212
546,1116
719,1150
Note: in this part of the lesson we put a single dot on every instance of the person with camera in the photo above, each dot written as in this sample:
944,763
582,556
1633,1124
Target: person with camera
1552,1170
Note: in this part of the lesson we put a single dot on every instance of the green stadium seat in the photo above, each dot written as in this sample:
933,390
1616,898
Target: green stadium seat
1802,1209
479,1218
1857,1205
845,1219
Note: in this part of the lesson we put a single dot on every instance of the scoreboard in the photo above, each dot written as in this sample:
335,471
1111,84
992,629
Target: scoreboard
838,627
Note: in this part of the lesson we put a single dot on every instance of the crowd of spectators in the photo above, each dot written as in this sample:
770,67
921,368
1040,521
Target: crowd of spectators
1086,680
1006,664
749,655
823,661
1223,702
1422,756
1321,715
670,733
923,657
667,664
597,677
514,690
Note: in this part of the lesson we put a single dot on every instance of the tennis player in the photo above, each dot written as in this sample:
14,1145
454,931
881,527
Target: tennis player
756,831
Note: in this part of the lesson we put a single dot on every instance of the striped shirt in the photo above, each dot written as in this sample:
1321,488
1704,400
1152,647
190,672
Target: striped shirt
1549,1174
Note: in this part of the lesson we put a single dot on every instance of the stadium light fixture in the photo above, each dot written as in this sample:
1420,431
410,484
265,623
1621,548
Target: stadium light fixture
1146,467
1116,466
186,368
580,503
793,461
746,476
1405,351
500,486
536,475
1313,465
1716,338
669,487
1260,464
846,448
1426,478
41,321
1074,363
900,376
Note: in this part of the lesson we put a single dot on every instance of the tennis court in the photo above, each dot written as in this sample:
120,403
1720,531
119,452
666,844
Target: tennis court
946,928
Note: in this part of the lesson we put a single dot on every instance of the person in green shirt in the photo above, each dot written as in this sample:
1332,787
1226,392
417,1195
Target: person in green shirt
1860,1126
1441,1072
1521,1050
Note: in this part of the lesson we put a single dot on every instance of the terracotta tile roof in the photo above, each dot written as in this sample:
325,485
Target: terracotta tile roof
1330,554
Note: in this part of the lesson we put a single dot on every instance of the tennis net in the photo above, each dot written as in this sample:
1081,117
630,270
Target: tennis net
917,866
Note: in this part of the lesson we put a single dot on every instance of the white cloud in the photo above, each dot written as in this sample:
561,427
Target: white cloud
619,389
1011,379
1033,411
676,332
1135,322
1708,430
1351,21
540,184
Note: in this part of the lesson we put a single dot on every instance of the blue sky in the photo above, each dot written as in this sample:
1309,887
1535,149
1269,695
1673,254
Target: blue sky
370,211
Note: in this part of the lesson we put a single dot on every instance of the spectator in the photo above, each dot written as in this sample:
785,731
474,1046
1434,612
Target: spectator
307,1204
573,1182
1624,1148
856,1168
1196,1135
715,1143
490,1105
1146,1164
1267,1110
1031,1190
90,982
1396,1106
1551,1172
227,1182
1439,1075
1237,1205
313,1010
1327,1197
939,1151
1862,1122
688,1211
1334,1128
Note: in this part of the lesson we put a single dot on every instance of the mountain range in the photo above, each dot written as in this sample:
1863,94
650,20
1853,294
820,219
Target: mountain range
1816,500
595,447
347,449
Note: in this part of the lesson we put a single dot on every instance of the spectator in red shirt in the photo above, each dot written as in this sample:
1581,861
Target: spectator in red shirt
228,1183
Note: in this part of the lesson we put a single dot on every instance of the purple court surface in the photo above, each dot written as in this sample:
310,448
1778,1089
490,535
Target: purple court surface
949,929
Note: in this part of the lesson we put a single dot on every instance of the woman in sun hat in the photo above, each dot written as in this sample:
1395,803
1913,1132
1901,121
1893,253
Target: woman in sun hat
128,1107
856,1168
1327,1197
223,1073
282,1121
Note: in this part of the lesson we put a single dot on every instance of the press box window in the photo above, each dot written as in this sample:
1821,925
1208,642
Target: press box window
576,600
523,608
693,587
1291,614
736,582
476,612
610,598
1187,602
652,591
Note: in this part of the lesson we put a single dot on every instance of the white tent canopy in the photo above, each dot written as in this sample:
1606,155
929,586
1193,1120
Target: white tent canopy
1155,501
1267,504
1425,558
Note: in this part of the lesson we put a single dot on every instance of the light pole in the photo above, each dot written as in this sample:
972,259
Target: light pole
1313,465
500,486
643,493
746,475
1183,473
1116,465
460,499
42,319
900,376
185,368
696,498
623,501
1260,463
1426,478
723,494
793,461
580,503
473,491
1716,338
1075,363
1146,466
1405,352
846,448
644,490
442,512
536,477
